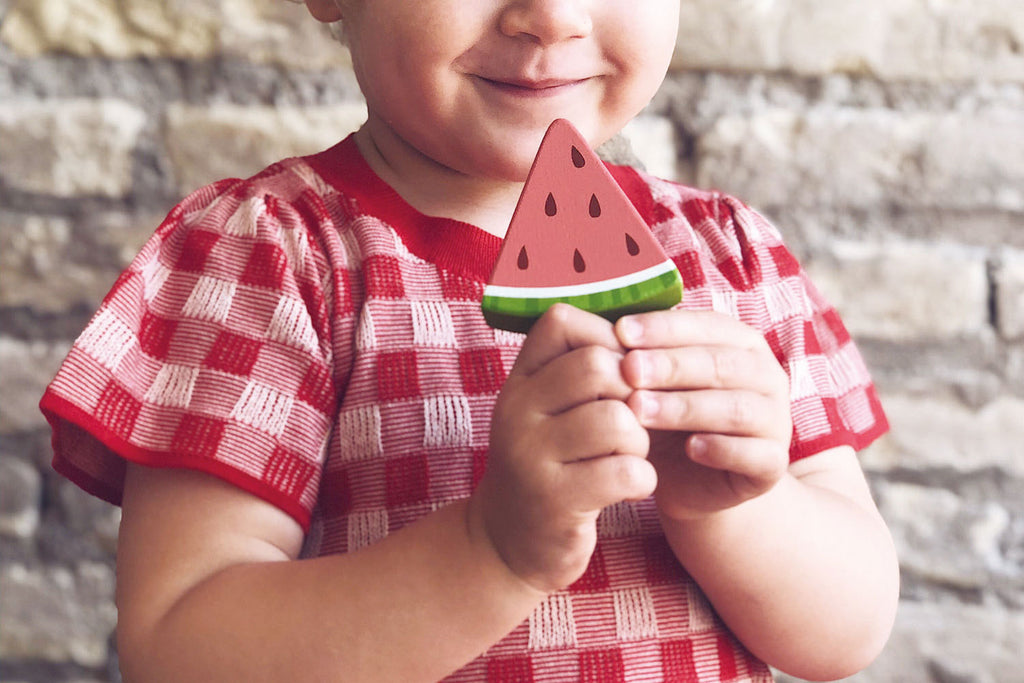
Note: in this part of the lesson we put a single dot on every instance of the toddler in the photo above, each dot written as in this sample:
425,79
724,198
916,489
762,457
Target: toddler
331,468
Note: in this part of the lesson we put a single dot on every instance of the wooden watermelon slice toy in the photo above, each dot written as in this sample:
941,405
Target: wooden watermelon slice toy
576,238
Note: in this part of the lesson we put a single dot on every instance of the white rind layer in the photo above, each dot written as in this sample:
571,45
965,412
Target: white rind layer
562,291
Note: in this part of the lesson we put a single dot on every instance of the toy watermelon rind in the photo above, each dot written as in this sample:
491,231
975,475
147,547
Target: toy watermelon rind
518,310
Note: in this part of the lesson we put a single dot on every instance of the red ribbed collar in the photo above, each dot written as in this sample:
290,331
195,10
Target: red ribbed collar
456,246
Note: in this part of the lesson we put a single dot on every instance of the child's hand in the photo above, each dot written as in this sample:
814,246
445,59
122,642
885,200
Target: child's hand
564,445
717,402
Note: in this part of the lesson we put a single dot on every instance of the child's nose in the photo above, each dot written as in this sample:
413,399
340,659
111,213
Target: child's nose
547,21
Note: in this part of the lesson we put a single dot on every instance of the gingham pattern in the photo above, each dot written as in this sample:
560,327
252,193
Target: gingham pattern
311,338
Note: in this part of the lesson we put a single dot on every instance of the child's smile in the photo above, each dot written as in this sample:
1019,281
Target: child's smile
471,85
549,87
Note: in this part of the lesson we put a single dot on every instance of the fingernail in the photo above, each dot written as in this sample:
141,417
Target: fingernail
697,448
630,330
649,406
643,370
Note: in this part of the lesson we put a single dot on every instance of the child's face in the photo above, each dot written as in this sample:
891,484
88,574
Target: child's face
473,84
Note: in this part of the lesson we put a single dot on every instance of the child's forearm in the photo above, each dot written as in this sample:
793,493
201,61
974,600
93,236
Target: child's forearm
416,606
806,577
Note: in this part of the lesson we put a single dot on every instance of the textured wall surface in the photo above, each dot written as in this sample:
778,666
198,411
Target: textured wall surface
884,137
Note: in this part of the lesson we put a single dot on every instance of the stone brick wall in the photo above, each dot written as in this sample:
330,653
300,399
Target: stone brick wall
885,138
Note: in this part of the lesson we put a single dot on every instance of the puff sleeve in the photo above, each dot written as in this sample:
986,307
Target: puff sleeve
211,352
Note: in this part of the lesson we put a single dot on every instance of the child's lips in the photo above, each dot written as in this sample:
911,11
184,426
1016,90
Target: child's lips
524,87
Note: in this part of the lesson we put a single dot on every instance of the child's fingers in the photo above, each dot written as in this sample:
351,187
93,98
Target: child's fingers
563,328
756,464
596,429
600,482
736,413
588,374
705,367
663,329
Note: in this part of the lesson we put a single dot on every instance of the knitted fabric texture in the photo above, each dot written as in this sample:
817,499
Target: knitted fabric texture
309,337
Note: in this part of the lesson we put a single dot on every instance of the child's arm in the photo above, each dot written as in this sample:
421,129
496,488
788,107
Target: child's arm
795,559
209,589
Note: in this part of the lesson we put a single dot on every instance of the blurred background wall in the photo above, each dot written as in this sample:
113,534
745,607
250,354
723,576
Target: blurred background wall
884,137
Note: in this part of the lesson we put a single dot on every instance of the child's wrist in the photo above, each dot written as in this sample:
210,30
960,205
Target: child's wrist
697,518
488,555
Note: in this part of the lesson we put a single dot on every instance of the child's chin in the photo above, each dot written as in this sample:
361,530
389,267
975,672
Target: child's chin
509,168
521,159
517,173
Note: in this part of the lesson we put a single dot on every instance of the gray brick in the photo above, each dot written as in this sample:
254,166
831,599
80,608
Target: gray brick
943,537
269,31
223,141
52,264
937,432
950,642
25,370
905,291
20,490
57,614
114,29
69,148
907,39
863,158
276,32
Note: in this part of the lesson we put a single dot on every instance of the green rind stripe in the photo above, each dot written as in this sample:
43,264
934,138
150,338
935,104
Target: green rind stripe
519,313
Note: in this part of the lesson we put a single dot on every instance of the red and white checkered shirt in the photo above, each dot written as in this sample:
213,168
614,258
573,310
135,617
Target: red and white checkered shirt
308,336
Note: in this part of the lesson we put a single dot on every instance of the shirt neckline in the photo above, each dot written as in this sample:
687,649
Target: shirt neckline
454,245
